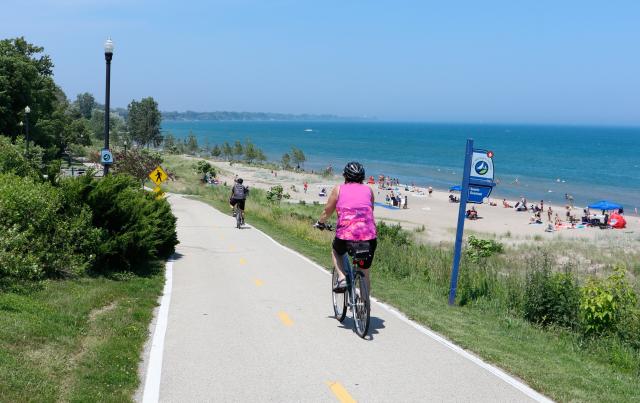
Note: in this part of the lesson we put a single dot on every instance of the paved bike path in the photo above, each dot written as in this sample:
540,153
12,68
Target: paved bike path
251,321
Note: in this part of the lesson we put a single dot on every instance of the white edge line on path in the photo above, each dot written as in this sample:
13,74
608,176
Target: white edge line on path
151,392
522,387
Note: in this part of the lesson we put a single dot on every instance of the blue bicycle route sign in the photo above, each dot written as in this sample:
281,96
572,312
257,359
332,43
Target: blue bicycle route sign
477,184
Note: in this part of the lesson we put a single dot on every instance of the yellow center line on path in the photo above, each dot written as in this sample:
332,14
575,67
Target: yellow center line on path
258,282
340,392
285,319
243,261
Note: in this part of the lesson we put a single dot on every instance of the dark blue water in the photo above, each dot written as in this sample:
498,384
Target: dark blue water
590,163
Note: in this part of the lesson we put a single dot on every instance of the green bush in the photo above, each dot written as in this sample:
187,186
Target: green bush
476,281
609,306
138,227
393,234
551,298
481,248
41,234
274,194
203,167
12,159
135,226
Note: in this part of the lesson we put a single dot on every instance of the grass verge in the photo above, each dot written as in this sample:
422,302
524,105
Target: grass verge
75,340
414,278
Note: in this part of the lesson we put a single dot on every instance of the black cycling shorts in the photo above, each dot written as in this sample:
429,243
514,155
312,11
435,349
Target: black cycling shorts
341,247
240,203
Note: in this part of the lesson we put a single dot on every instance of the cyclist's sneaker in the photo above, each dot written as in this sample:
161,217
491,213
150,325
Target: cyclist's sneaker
234,213
341,286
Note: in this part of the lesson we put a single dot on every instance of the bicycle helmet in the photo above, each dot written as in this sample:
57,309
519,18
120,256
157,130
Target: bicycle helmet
239,180
353,172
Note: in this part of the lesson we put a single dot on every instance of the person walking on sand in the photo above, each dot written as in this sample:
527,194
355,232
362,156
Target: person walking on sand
430,191
306,185
549,213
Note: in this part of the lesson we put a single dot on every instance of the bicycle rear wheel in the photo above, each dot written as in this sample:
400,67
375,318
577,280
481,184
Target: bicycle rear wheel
238,218
339,298
361,308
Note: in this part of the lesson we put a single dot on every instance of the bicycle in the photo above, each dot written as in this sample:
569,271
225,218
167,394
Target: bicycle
356,295
239,216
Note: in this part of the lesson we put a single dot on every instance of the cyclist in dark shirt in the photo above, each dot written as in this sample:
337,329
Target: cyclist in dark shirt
239,194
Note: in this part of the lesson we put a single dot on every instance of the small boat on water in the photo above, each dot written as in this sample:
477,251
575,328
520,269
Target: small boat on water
308,130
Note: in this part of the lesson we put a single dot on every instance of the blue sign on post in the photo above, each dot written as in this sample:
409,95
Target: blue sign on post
106,158
477,183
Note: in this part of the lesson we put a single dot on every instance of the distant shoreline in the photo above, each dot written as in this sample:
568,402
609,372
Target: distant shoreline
228,116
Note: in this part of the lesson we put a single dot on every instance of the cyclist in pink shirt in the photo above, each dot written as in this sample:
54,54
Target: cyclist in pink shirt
353,202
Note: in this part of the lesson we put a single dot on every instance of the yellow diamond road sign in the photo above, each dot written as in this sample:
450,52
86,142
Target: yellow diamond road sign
158,175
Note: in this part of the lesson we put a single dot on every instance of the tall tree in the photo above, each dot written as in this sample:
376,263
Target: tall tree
170,143
26,80
216,152
250,151
286,161
144,120
298,156
85,103
238,150
192,143
227,150
260,156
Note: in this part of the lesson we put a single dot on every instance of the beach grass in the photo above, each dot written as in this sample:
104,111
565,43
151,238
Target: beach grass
75,340
414,277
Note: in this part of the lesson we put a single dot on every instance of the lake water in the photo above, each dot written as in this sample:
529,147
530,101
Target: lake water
539,162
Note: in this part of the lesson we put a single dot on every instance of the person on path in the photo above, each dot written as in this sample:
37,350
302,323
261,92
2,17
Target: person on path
353,202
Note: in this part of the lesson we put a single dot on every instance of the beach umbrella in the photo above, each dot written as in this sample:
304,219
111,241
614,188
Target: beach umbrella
605,205
455,188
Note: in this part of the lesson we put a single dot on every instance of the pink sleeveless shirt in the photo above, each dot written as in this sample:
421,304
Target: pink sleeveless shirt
355,213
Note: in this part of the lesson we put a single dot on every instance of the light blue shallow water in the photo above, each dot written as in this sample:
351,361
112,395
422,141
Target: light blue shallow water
591,163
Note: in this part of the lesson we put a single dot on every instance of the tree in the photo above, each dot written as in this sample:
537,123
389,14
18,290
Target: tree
286,161
96,124
192,143
144,120
260,156
136,162
238,149
85,103
25,80
297,156
216,152
170,144
250,151
227,150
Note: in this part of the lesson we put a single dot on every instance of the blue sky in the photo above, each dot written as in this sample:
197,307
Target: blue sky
575,62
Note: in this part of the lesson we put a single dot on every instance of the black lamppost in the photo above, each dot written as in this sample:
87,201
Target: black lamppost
108,55
125,146
27,111
21,125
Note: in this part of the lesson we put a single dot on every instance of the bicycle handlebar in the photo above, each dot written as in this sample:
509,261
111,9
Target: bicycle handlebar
322,226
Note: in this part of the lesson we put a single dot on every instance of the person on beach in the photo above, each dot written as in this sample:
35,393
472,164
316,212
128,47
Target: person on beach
430,191
549,213
306,185
353,202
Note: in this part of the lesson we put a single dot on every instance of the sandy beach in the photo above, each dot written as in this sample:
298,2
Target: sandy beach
435,212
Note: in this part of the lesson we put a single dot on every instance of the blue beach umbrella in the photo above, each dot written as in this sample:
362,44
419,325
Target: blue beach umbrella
456,188
605,205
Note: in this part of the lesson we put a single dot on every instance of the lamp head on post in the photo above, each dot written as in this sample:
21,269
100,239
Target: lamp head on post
108,49
27,109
